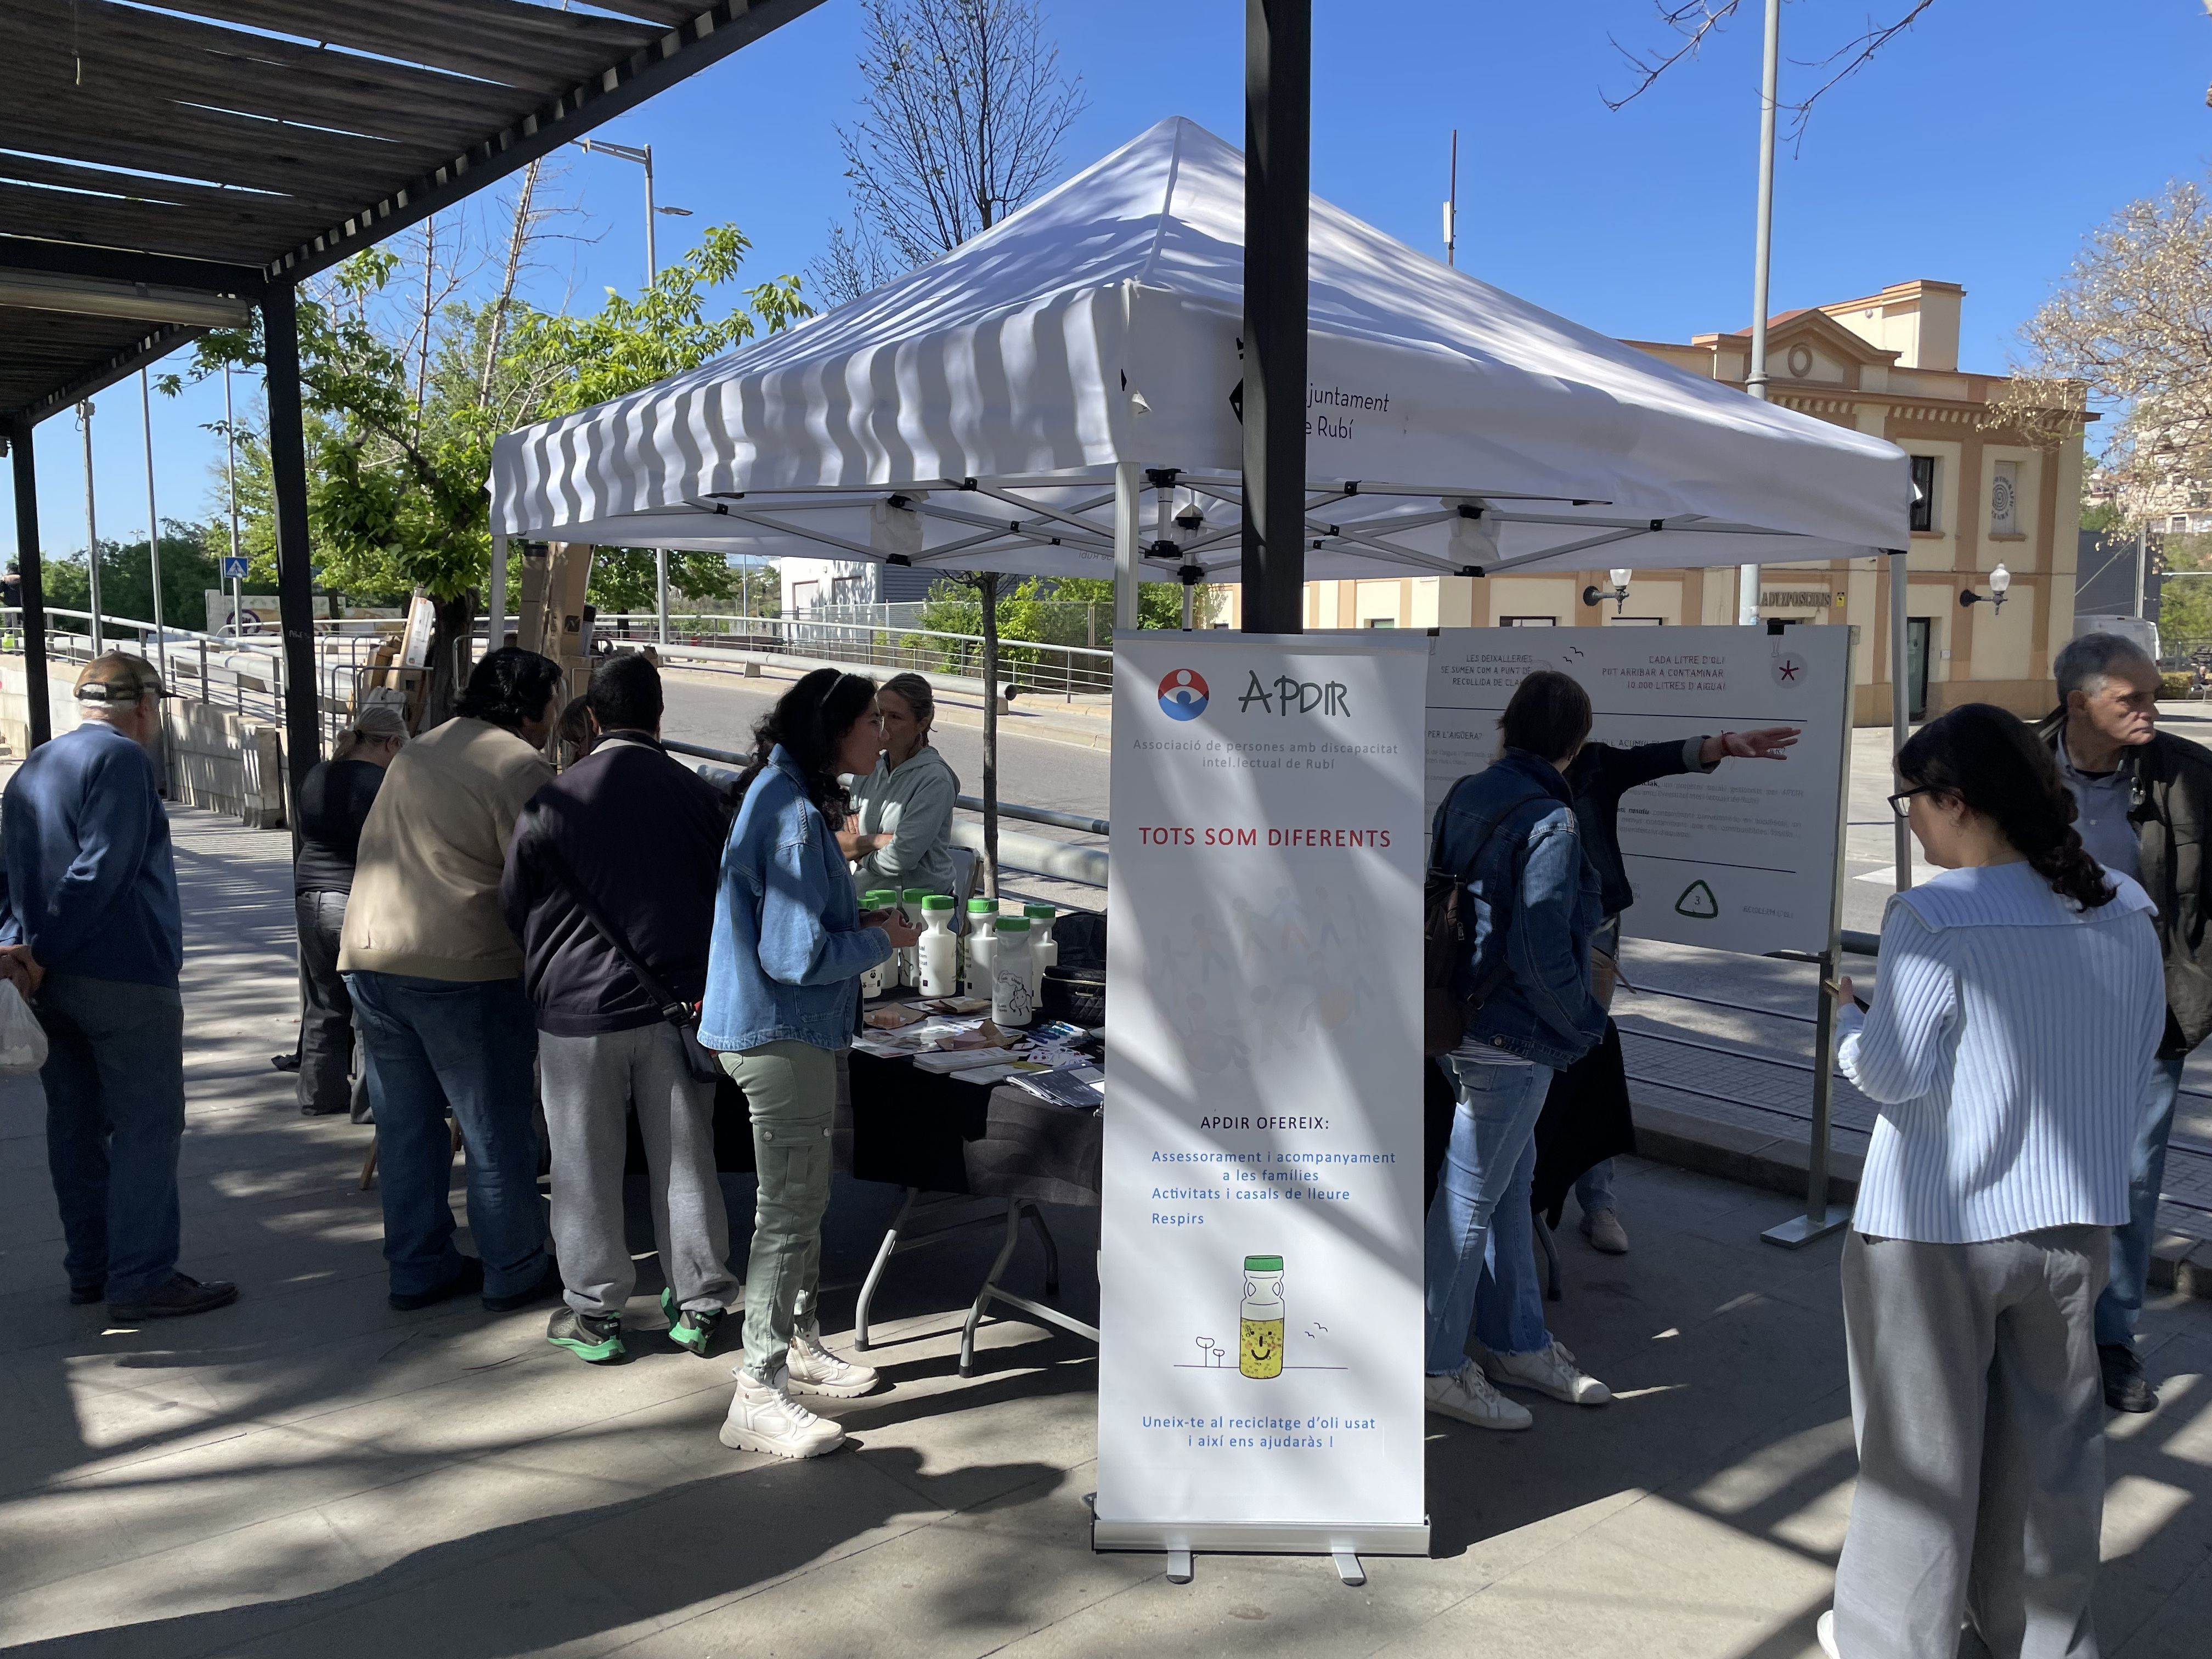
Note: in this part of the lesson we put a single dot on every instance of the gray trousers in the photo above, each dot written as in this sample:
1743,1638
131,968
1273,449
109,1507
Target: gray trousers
588,1083
1979,1413
792,1088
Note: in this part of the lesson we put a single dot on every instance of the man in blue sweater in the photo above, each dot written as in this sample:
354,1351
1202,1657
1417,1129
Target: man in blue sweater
91,929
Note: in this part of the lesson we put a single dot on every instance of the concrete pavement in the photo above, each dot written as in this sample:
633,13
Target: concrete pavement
309,1474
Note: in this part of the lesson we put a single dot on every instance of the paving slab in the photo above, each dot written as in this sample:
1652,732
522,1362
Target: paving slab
309,1474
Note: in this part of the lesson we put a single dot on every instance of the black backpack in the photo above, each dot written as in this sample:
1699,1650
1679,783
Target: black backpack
1445,1015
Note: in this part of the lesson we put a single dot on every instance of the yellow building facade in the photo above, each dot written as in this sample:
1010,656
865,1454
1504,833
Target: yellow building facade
1886,364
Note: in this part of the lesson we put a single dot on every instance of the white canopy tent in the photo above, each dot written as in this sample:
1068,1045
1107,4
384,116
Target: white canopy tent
1005,407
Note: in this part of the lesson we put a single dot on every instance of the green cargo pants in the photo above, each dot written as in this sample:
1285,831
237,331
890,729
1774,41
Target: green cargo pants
793,1090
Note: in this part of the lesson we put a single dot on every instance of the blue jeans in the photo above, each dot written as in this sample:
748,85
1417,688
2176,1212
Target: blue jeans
436,1045
114,1078
1594,1187
1508,1303
2124,1291
1494,1125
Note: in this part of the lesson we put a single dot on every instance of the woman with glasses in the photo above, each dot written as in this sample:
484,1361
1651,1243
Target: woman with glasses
2020,1001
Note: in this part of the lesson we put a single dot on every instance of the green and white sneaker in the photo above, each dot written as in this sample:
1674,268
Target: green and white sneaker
692,1329
594,1337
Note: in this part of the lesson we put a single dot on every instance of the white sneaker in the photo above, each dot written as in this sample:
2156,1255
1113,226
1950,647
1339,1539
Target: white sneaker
764,1418
1548,1370
1824,1632
1467,1396
813,1368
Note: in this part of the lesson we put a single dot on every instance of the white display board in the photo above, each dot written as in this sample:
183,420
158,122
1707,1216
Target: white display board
1264,1013
1742,859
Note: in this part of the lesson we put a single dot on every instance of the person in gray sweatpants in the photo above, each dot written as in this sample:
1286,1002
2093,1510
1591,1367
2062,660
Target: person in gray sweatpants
626,842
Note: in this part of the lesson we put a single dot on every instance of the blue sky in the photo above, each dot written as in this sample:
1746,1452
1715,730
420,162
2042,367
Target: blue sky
1979,149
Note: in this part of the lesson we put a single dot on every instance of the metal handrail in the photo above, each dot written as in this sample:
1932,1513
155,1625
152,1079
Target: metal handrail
970,802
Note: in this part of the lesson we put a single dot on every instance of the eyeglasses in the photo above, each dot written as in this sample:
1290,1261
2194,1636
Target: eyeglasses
1897,802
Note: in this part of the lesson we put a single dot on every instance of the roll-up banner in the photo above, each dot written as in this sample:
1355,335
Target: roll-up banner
1260,1366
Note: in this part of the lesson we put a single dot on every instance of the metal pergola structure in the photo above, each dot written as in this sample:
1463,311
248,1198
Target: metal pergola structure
166,171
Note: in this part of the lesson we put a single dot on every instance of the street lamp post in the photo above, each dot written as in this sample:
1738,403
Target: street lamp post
1755,380
153,528
91,529
642,155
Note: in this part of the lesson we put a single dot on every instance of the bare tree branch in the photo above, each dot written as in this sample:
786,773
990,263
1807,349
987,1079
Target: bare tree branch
1694,23
961,124
1695,20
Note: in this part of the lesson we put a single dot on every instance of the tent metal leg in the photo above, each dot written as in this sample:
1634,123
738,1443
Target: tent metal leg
1900,692
1128,483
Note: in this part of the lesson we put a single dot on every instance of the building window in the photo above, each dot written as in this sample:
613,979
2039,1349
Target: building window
2177,525
805,595
1528,621
1923,492
2004,499
845,590
1382,622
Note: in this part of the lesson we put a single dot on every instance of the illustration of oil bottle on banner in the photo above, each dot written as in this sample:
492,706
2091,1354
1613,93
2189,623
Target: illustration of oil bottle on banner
1259,1318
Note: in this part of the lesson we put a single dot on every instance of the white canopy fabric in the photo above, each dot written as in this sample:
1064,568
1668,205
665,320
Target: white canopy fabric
971,414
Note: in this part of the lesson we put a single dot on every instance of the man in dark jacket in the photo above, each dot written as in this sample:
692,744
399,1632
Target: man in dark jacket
642,836
91,929
2144,802
1602,773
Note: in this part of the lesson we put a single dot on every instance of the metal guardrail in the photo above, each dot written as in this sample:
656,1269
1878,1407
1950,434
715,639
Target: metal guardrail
1037,855
246,673
1024,664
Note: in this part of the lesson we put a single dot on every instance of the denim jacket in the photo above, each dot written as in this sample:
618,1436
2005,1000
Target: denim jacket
1535,907
788,950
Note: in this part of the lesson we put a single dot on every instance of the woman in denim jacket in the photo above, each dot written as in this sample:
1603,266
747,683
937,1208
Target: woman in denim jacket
783,989
1510,832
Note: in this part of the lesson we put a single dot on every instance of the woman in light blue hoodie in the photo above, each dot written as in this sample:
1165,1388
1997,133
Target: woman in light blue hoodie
783,988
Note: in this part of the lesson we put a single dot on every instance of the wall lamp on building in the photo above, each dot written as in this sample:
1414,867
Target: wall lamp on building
2000,583
1594,595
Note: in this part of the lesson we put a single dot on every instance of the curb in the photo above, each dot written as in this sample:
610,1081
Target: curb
1775,1163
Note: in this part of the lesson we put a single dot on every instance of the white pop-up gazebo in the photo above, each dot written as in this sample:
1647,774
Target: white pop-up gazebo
1007,407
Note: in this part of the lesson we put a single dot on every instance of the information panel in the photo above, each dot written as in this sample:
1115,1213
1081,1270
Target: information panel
1260,1365
1741,859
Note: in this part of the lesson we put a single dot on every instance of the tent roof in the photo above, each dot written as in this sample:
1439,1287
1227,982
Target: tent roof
970,414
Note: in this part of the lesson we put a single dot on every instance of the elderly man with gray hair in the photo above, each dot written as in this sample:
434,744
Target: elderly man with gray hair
2145,803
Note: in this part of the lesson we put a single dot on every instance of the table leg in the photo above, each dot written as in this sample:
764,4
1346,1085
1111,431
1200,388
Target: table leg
990,1281
1051,1249
876,1270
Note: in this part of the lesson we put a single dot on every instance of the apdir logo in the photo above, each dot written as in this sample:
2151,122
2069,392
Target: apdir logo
1183,694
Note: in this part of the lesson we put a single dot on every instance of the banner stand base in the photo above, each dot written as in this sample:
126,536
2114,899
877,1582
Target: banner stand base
1800,1230
1181,1541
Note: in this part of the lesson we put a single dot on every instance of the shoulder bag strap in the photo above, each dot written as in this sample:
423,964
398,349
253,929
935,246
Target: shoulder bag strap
674,1008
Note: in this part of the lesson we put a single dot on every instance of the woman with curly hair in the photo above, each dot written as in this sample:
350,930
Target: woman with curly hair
783,987
2009,1045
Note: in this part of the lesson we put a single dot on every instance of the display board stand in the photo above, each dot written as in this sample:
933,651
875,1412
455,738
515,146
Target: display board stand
1821,1218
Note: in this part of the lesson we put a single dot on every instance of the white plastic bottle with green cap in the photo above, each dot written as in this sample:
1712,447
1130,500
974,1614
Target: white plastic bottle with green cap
941,951
909,904
1043,952
884,975
1011,1004
980,913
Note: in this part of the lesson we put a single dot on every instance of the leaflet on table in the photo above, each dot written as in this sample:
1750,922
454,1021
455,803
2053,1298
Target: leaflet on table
1740,858
1260,1376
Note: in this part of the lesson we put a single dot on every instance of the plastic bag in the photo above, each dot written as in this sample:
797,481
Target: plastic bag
22,1039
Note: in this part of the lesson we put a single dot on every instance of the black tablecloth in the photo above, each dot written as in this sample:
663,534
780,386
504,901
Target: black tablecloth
900,1124
914,1128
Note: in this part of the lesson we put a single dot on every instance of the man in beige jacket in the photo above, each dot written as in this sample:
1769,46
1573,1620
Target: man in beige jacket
436,981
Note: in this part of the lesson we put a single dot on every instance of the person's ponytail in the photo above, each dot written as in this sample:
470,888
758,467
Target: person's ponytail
1990,760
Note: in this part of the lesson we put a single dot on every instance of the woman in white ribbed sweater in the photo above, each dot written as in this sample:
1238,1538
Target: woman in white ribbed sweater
2020,1000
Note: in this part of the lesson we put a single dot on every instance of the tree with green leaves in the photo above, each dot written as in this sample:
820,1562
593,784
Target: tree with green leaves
407,383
